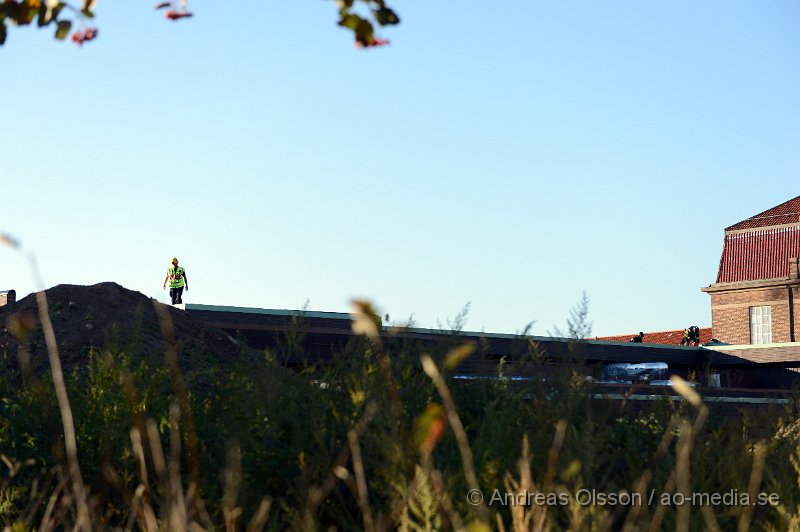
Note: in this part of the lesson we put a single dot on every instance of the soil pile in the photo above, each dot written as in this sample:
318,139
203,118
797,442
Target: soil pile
107,316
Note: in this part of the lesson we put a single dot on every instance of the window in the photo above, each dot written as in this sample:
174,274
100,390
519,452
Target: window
760,325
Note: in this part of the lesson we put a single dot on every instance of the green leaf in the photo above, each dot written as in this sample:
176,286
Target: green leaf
27,13
10,10
43,19
350,21
457,355
87,8
48,14
360,26
57,10
386,17
3,32
429,427
364,32
63,29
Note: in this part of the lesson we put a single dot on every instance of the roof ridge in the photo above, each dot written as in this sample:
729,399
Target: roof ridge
775,206
776,211
758,217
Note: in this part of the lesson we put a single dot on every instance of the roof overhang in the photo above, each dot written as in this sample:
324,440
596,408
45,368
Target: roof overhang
784,355
777,282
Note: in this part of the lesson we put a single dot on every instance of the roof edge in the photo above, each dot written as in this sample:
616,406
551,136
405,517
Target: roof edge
740,285
760,228
772,212
272,312
738,347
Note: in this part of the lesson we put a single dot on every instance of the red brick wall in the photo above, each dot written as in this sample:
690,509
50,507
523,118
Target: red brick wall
730,313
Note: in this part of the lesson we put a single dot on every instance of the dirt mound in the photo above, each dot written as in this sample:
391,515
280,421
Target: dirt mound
107,316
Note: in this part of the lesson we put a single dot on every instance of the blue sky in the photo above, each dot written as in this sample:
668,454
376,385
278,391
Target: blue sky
508,155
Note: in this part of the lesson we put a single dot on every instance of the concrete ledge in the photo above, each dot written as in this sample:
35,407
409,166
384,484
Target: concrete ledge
776,282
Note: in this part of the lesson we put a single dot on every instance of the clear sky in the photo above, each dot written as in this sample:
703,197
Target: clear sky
510,155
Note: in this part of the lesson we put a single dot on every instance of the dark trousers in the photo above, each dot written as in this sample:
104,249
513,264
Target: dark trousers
175,294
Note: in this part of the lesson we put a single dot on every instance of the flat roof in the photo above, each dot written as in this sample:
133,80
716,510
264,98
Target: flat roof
269,311
421,330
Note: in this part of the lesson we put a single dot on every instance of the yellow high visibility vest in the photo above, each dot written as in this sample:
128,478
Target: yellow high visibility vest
176,277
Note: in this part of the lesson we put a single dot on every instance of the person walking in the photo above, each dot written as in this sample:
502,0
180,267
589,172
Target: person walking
177,282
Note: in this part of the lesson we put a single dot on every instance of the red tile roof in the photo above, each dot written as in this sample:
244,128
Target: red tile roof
758,254
785,213
661,337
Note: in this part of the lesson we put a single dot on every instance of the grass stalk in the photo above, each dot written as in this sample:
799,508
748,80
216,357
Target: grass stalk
83,522
429,366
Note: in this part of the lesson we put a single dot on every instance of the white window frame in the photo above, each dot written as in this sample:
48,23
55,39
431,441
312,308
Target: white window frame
761,325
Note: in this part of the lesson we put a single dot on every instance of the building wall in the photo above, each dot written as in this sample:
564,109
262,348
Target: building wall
730,312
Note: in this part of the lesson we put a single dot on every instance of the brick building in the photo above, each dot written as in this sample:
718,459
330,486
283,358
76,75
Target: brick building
754,299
